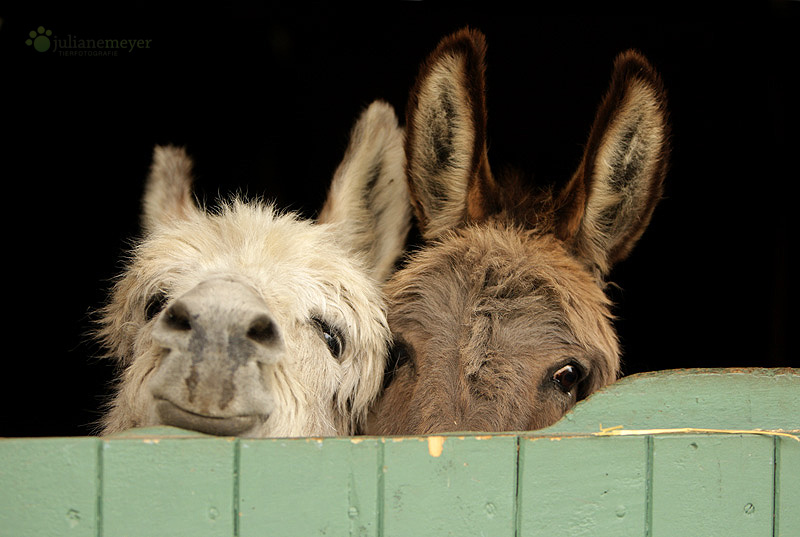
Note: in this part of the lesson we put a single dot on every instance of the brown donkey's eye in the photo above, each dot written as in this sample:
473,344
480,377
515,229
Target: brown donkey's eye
567,377
399,355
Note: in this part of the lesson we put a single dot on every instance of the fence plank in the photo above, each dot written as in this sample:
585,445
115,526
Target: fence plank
787,495
309,487
593,486
168,485
49,487
449,485
713,485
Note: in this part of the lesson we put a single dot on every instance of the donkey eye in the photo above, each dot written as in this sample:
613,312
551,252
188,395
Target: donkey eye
399,355
332,336
567,377
155,303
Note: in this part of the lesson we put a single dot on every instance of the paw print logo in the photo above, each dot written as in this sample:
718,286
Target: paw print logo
40,39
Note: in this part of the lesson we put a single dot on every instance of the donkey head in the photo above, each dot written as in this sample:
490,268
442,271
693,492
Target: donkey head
500,321
250,321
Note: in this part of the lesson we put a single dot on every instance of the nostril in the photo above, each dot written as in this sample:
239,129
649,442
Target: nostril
177,317
262,330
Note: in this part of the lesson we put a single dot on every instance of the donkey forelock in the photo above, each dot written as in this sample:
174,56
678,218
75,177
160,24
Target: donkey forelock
505,303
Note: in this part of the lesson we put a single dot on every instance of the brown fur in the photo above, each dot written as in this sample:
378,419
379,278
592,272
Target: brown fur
509,288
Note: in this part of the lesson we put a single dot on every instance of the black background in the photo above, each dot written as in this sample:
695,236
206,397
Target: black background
264,97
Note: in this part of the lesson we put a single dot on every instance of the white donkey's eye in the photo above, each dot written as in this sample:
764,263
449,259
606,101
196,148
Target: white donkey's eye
331,335
155,303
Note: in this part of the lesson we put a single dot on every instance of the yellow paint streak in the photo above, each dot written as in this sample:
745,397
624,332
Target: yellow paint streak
435,445
356,440
619,430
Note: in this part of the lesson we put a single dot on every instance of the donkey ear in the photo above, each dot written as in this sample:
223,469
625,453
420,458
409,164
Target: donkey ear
448,170
607,204
369,195
167,194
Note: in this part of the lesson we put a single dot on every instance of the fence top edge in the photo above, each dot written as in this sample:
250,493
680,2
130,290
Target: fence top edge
590,428
155,435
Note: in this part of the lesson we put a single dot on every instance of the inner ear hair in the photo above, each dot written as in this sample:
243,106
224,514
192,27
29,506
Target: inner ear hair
610,199
369,195
448,172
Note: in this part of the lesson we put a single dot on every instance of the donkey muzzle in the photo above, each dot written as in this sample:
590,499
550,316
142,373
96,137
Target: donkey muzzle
219,342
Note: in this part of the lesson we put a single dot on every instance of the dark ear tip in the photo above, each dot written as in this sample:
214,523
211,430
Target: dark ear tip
472,34
636,65
467,41
633,64
632,57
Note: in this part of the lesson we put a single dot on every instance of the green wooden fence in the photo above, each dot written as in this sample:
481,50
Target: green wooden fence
675,453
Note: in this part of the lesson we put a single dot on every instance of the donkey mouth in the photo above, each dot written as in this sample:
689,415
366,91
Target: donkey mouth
171,414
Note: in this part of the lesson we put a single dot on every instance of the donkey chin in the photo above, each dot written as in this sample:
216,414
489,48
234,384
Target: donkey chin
211,400
220,414
171,414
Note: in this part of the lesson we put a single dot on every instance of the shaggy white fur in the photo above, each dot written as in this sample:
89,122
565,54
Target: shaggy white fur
251,321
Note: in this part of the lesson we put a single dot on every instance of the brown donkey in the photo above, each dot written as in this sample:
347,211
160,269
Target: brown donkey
500,321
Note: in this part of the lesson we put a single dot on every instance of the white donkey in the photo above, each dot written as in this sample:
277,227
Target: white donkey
254,322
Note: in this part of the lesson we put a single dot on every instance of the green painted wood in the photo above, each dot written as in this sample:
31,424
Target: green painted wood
309,487
560,481
583,486
713,485
695,398
787,494
441,486
49,487
168,485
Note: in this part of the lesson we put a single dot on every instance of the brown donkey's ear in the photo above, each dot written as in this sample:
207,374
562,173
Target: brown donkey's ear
448,170
607,204
167,194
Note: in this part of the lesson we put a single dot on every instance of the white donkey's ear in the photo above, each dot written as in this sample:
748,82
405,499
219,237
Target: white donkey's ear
368,197
167,194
